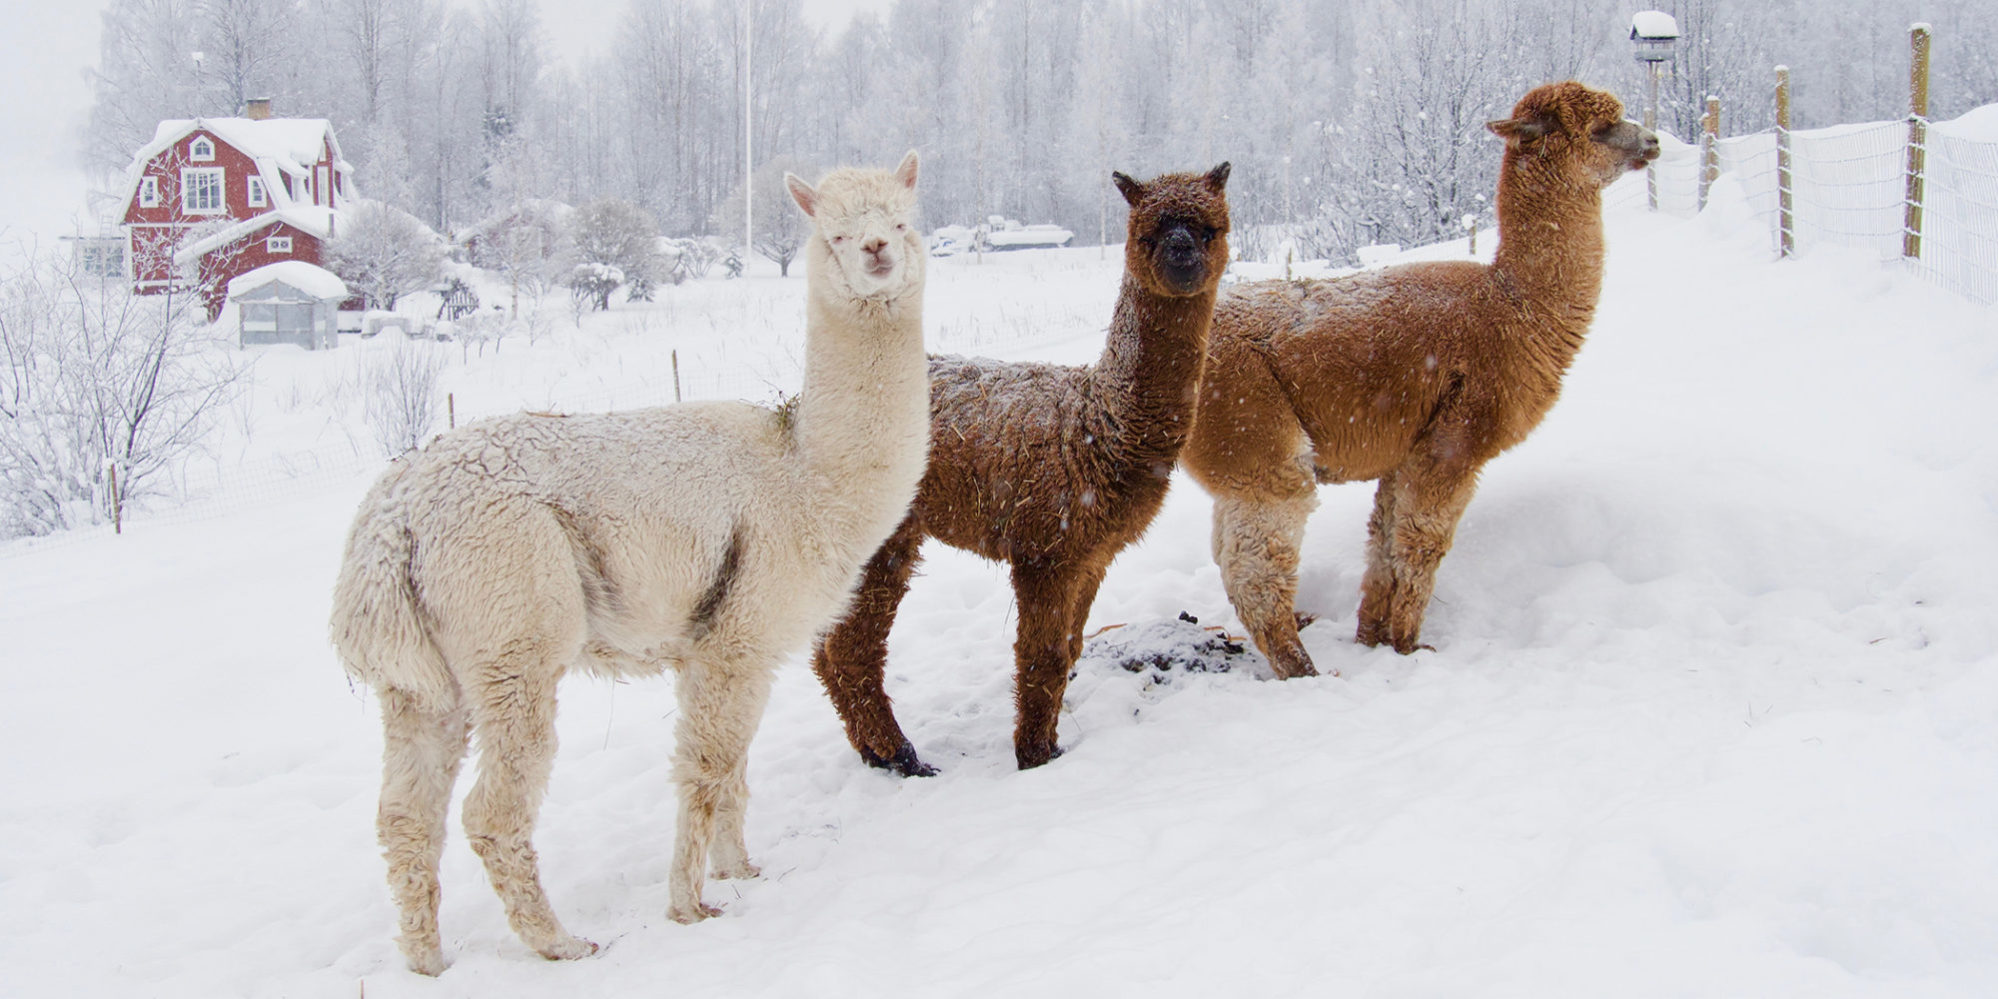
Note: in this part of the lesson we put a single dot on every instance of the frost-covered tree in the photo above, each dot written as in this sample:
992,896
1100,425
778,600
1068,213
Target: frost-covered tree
384,253
620,236
778,228
103,393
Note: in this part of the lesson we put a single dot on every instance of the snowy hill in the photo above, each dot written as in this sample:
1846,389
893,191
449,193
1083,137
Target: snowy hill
1712,710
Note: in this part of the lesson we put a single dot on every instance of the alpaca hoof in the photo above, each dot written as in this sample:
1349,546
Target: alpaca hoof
904,761
1030,757
570,949
1304,620
429,963
741,872
688,917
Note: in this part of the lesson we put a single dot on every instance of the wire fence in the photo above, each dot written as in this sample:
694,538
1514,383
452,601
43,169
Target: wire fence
1848,186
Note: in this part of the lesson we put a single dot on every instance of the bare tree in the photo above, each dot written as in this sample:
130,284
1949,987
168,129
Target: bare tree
779,230
399,391
103,393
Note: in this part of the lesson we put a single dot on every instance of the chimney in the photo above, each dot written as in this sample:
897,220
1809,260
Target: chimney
257,108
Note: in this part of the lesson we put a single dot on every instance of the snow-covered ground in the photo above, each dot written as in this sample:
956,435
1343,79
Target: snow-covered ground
1712,712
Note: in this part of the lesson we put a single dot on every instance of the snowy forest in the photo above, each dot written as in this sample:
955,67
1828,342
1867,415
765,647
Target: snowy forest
1348,121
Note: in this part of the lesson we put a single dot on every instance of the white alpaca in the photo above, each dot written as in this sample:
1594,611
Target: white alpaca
710,538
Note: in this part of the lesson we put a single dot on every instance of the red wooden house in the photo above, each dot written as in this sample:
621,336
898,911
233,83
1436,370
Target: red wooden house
211,198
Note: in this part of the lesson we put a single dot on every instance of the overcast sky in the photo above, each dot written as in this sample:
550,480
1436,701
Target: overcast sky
48,45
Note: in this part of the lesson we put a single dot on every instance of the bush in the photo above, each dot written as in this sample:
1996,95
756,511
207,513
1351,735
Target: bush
103,394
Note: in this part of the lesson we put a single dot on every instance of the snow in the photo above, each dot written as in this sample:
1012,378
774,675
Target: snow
1712,709
1653,24
309,278
296,143
1975,125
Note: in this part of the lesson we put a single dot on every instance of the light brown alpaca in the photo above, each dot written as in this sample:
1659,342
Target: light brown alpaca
1050,469
1415,375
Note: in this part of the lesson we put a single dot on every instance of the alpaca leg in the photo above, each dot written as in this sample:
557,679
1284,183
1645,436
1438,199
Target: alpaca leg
421,754
720,706
1085,595
513,710
1425,526
1256,544
851,659
1377,586
1046,599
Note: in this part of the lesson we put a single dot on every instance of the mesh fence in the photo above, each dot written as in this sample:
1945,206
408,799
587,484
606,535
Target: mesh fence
1848,187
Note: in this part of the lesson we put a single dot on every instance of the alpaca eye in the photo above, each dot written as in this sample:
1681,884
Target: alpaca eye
901,227
838,239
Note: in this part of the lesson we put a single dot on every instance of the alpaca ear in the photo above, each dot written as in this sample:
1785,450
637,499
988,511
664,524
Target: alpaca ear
1217,178
801,192
1133,191
1519,133
906,172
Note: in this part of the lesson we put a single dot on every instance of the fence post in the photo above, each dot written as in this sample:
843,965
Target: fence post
1785,221
1918,135
451,408
117,501
1651,125
1709,148
676,374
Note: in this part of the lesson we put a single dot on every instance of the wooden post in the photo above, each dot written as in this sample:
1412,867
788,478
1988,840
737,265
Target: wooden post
1651,124
1785,221
451,408
117,501
1709,148
1918,136
1474,235
676,374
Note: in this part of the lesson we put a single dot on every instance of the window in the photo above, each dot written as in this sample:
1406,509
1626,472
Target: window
277,244
102,258
201,149
201,191
149,192
257,199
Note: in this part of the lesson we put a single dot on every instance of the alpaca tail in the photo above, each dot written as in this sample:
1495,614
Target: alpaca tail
376,627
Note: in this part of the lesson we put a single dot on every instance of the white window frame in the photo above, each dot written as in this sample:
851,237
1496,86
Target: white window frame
258,199
277,244
201,150
190,177
149,192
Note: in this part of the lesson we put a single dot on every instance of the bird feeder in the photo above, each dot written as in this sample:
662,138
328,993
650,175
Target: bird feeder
1655,35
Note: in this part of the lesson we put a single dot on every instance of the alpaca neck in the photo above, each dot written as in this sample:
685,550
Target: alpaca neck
1148,376
866,384
1550,253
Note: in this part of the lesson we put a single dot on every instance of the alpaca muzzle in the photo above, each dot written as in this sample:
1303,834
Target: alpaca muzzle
1180,261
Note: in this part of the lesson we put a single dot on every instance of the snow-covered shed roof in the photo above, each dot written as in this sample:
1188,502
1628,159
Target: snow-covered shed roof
311,279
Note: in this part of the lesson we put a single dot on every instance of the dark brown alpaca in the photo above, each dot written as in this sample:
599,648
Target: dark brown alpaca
1415,375
1052,470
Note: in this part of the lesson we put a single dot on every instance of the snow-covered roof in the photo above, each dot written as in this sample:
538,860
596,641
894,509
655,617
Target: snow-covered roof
314,220
279,147
293,143
309,278
1653,24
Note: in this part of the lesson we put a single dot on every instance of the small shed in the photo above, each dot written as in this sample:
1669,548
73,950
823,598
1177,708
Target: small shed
290,301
